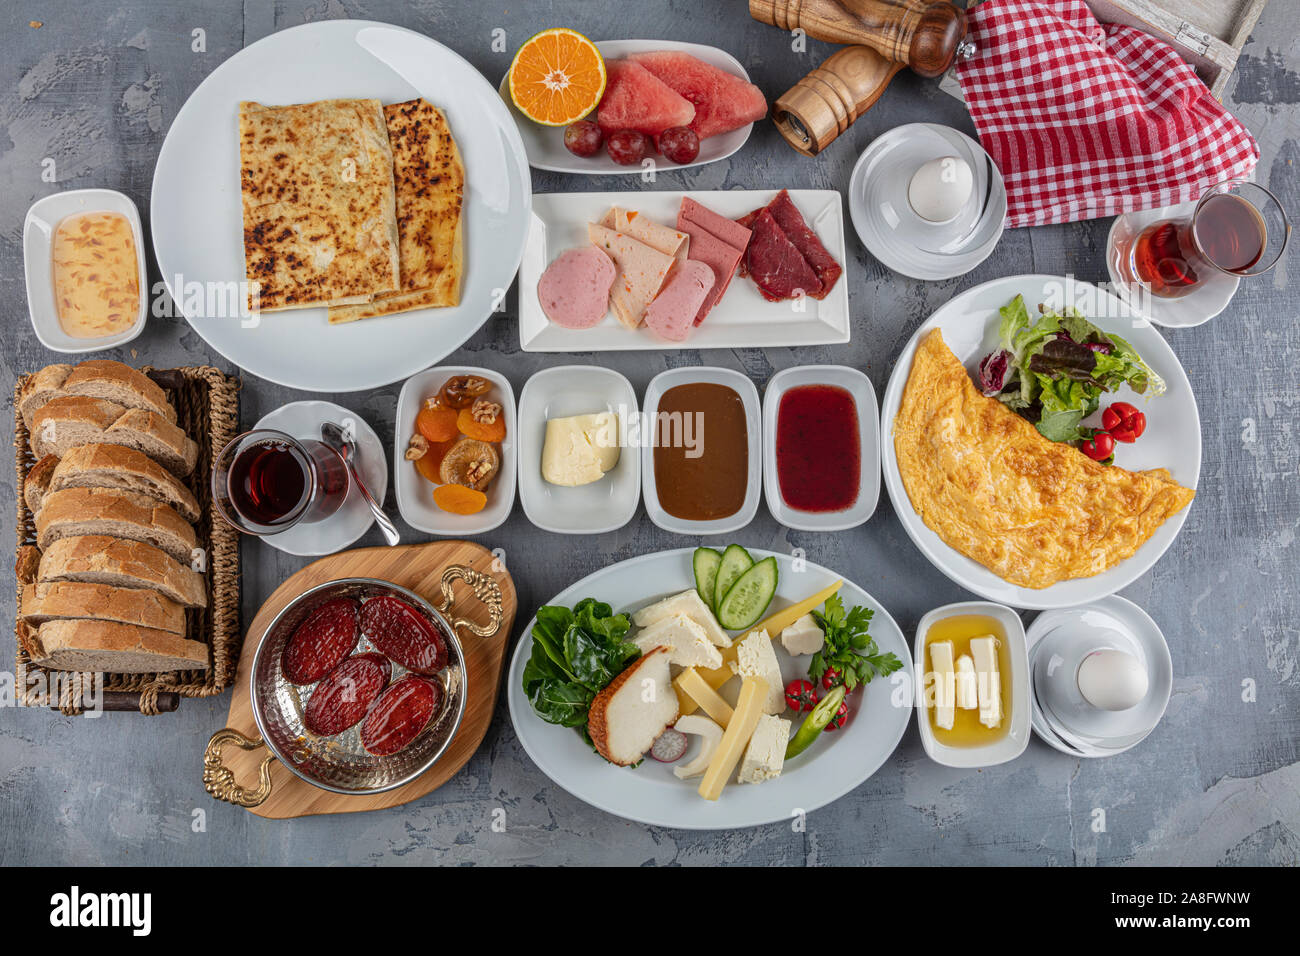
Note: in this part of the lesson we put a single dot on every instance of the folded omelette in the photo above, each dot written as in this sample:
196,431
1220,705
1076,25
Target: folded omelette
1031,510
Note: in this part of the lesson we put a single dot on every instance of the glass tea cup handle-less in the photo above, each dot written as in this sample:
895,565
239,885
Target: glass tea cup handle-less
266,481
1238,228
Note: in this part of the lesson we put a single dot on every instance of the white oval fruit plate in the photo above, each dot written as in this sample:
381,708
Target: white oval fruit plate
1172,440
650,793
545,144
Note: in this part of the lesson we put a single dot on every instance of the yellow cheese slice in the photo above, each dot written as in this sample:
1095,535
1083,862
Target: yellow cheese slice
714,677
690,683
749,707
777,622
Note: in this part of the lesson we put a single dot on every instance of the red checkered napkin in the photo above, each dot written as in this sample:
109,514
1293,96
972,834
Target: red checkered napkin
1086,119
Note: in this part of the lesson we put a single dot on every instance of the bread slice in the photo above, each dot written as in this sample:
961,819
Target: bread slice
72,420
98,559
76,512
38,482
40,388
112,648
117,466
634,709
122,384
28,564
63,600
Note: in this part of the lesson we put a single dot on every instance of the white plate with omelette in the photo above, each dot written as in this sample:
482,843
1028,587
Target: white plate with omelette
197,205
1070,535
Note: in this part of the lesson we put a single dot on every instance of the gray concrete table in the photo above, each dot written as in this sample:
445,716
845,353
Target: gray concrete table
94,89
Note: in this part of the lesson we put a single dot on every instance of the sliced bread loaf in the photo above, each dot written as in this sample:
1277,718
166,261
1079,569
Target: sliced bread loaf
129,387
76,512
28,564
71,420
76,600
117,466
99,559
112,648
40,388
38,482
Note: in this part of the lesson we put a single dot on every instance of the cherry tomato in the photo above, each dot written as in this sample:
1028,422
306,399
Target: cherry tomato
831,678
841,715
800,695
1099,447
1124,422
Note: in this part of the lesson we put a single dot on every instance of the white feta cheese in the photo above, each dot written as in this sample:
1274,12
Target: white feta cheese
755,657
765,755
804,636
689,604
688,645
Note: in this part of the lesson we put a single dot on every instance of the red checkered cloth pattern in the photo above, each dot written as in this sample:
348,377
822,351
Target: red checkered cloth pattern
1086,119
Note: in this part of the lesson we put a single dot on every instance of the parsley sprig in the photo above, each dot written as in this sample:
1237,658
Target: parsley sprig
848,647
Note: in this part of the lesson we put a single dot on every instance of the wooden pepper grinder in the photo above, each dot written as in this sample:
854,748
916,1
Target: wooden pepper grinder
886,35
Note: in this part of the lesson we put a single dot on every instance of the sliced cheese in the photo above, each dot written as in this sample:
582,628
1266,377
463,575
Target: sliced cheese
757,658
967,698
687,644
780,620
710,735
765,755
804,636
642,272
945,680
690,604
749,708
709,700
715,677
985,652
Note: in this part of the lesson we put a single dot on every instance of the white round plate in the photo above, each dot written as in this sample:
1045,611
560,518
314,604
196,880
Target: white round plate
1172,440
891,230
1195,308
197,217
545,144
835,764
351,521
1132,726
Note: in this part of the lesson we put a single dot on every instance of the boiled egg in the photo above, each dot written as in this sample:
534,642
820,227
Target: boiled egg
1112,679
940,188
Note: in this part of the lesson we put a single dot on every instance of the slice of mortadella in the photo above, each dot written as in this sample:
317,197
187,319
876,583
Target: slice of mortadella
672,314
574,289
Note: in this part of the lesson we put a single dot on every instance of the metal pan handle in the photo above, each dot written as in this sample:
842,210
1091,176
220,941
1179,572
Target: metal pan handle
219,780
485,589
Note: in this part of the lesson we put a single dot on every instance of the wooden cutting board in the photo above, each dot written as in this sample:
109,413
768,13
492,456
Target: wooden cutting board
417,567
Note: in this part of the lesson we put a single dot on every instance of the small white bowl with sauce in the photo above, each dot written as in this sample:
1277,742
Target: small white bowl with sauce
39,236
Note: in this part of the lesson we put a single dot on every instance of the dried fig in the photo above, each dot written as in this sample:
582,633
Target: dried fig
471,463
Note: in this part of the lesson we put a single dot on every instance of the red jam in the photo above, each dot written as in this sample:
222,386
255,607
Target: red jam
818,456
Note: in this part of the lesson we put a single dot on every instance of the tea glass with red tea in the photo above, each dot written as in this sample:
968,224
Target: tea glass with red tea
1238,228
265,481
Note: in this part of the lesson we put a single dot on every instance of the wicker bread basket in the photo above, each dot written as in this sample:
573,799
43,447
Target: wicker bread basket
207,408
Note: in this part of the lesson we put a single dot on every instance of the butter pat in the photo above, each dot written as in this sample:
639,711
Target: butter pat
756,658
803,637
945,680
765,755
985,652
580,449
967,699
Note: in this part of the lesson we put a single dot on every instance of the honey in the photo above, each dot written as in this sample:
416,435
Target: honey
95,274
967,731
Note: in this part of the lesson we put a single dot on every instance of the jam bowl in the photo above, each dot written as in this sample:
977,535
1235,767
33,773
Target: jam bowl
340,763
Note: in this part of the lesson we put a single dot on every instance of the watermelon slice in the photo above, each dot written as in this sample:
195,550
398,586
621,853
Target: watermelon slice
636,99
723,101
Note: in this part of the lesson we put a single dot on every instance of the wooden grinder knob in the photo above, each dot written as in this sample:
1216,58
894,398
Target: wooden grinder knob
825,103
923,34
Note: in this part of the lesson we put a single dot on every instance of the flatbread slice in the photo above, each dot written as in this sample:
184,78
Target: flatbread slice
430,184
642,272
1031,510
320,220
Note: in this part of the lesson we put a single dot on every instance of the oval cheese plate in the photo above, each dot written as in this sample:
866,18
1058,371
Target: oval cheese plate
969,324
545,144
197,220
650,793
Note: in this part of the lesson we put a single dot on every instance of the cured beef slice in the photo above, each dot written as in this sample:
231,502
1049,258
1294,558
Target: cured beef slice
775,265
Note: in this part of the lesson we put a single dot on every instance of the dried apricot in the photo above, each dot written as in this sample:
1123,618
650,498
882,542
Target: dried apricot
431,461
484,427
459,500
437,424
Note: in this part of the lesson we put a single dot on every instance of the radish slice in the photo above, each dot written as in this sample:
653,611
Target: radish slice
669,746
710,734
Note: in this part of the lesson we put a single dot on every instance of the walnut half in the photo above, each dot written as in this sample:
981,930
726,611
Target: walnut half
485,412
417,447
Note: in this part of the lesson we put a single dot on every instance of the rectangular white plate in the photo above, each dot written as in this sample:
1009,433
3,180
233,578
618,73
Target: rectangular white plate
743,318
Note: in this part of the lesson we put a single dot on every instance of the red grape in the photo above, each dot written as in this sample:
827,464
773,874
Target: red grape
583,138
627,147
679,144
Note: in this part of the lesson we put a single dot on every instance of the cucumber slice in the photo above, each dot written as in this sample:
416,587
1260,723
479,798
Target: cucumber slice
735,562
749,596
705,562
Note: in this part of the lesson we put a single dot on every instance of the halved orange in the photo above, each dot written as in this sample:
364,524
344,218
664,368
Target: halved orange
557,77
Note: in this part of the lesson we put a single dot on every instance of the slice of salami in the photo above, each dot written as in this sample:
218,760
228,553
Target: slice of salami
321,641
403,634
346,693
399,715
